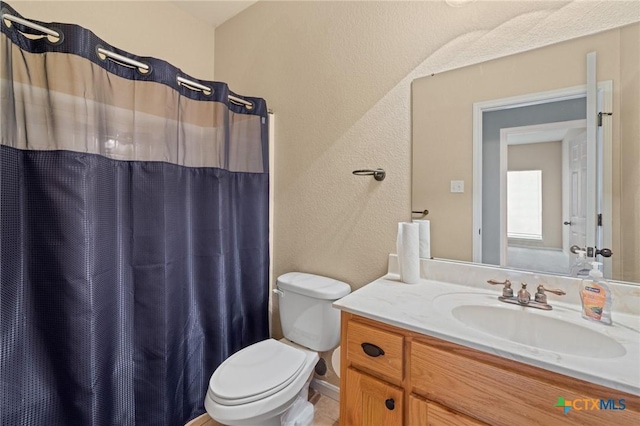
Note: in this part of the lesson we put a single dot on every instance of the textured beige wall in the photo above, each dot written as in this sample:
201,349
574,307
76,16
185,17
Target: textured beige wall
337,75
548,158
628,172
145,28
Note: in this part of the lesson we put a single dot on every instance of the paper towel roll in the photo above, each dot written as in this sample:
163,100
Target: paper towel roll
408,246
425,238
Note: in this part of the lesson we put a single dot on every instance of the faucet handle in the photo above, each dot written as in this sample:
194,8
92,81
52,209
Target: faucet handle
507,291
496,282
557,291
542,297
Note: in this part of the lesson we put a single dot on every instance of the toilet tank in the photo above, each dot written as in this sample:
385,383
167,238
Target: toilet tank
306,314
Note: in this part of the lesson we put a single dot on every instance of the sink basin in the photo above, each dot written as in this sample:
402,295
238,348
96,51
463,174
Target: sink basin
527,326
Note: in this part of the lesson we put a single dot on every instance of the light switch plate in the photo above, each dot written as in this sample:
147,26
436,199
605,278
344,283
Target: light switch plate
457,186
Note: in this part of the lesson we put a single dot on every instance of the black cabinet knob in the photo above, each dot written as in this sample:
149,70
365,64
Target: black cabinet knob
390,404
372,350
566,223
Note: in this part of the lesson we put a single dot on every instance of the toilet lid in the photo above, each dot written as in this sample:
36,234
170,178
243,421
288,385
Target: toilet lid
256,372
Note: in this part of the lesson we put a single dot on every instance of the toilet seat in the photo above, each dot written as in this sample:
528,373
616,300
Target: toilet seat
256,372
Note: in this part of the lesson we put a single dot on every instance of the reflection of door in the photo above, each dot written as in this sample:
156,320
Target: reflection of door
544,202
524,115
488,246
577,150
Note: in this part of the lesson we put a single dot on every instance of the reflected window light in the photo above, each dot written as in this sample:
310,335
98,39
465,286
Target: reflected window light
524,204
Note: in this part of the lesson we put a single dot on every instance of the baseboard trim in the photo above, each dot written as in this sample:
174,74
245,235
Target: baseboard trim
326,389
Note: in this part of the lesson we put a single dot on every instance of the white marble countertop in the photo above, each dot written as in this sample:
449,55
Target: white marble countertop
426,308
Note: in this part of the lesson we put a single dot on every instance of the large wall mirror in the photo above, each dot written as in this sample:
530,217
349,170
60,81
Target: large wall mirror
519,159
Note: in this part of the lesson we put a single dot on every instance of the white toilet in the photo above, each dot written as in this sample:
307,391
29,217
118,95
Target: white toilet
257,384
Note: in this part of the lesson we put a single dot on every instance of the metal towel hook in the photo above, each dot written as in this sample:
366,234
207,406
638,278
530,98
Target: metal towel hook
378,174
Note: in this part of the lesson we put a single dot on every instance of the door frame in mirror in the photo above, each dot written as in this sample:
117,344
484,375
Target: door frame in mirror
505,134
479,108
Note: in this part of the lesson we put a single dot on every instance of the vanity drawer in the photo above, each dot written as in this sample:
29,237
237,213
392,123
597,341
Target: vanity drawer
500,396
375,350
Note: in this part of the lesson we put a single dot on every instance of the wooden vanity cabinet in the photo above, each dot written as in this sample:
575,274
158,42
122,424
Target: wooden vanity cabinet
391,376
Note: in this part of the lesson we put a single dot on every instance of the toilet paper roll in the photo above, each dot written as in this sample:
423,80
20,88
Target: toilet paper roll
408,246
335,361
425,238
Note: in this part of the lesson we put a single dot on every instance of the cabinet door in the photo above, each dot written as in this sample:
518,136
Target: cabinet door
428,413
371,402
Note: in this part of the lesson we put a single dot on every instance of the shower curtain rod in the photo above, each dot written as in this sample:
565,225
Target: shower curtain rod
30,24
122,59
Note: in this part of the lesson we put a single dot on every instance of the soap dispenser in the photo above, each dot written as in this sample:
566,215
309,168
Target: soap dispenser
581,266
596,296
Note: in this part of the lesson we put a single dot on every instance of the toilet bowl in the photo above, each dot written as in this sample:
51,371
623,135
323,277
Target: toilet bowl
256,385
259,383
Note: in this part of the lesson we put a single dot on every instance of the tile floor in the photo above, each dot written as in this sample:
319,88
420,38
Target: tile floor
327,412
327,409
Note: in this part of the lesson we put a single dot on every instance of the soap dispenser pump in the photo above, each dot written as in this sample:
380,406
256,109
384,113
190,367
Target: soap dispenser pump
596,296
581,266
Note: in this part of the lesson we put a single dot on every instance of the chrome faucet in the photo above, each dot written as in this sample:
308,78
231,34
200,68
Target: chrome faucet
523,297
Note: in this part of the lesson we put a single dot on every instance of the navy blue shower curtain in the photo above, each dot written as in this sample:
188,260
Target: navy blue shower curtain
134,233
